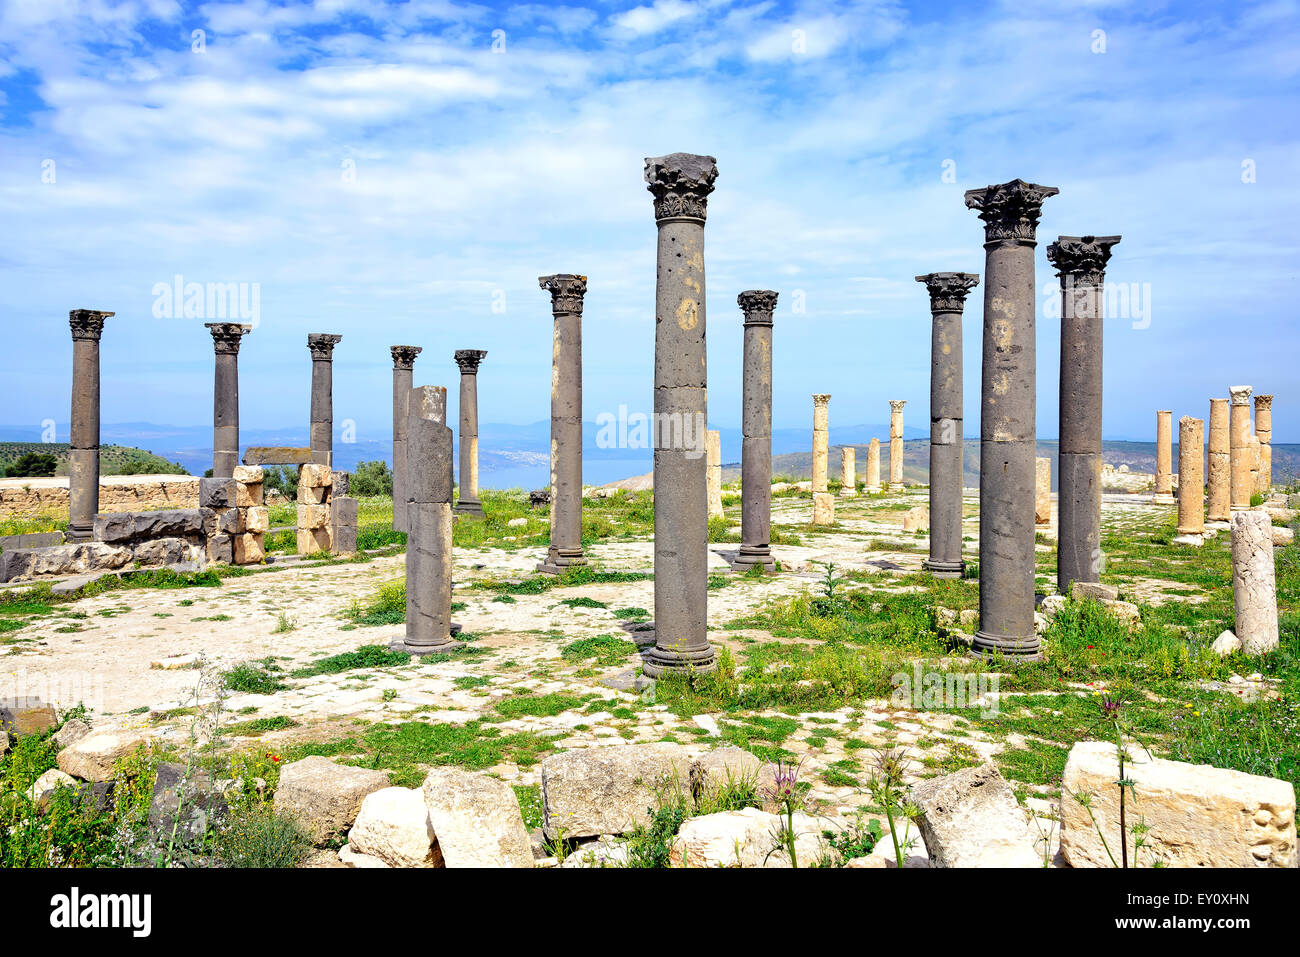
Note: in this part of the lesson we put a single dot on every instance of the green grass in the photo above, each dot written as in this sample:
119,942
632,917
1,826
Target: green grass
367,656
605,649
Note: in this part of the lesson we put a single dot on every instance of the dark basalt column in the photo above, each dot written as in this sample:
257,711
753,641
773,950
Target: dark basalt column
948,292
468,360
1080,261
566,422
321,437
403,373
756,429
681,184
1010,212
226,340
83,466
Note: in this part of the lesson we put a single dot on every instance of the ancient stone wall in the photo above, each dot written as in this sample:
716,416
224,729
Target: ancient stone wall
117,493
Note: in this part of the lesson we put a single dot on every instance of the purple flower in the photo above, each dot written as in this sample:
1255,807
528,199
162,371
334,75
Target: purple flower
785,779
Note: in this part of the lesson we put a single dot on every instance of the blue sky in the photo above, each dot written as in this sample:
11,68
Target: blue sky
403,173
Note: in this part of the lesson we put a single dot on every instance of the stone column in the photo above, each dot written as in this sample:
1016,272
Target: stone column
873,466
680,184
321,441
1080,263
848,472
1191,476
429,627
403,372
713,477
756,426
1042,491
948,291
1239,446
823,503
1254,587
1164,458
1255,456
1010,212
467,502
83,466
567,291
1264,432
1220,463
226,339
896,444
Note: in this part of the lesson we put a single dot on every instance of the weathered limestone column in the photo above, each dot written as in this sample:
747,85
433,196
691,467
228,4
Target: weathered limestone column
1254,587
1255,456
1042,491
321,441
823,503
403,372
1264,432
713,477
848,472
1191,476
83,467
1239,446
567,291
1164,458
896,444
226,339
467,502
680,184
1080,263
1010,212
428,546
756,426
948,291
873,466
1220,463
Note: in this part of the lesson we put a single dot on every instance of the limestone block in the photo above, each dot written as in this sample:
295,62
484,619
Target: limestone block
1282,536
971,819
350,858
747,838
823,508
1254,586
248,549
248,474
1198,816
248,496
393,825
91,758
325,797
716,769
916,519
73,730
313,495
1226,644
26,716
256,519
313,516
607,789
315,475
313,540
476,820
48,782
1094,590
1042,491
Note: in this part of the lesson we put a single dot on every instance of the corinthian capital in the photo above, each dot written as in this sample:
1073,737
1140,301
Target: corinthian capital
227,336
567,290
322,344
896,406
468,360
681,184
758,306
88,323
1240,394
948,289
1081,260
1263,403
1010,211
404,356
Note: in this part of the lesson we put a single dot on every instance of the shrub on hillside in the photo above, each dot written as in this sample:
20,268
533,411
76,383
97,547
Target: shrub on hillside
32,465
372,478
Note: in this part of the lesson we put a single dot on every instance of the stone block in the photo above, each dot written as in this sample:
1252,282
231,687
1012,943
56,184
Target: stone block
114,527
44,786
315,475
344,511
747,838
216,493
276,455
313,516
248,549
716,769
313,495
1094,590
184,802
26,716
313,540
91,758
16,563
219,521
73,730
248,496
221,548
971,819
248,474
343,540
1042,491
608,789
161,551
325,797
256,519
823,508
393,826
476,820
916,519
1196,815
168,523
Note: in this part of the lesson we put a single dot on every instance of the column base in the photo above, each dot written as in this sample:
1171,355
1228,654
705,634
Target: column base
79,533
945,569
897,487
473,507
1015,647
657,661
846,493
1163,500
874,489
751,556
558,560
440,648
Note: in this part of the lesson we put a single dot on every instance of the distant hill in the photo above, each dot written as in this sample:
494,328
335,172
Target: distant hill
113,459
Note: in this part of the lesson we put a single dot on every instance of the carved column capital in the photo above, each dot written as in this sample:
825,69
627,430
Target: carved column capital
948,290
88,323
227,336
1240,394
567,290
322,345
468,360
896,406
1081,260
1010,211
821,398
681,184
1263,403
404,356
758,306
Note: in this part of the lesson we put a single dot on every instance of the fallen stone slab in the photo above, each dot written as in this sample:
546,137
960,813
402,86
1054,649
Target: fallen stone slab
747,838
70,585
476,820
276,455
47,783
608,789
1196,815
92,757
730,766
73,730
350,858
971,819
1094,590
26,716
325,797
393,826
31,540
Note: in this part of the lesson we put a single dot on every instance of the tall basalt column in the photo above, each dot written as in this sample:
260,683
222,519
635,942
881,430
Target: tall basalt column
1164,457
566,291
403,374
680,184
1264,432
896,444
1010,212
83,468
226,339
1080,263
948,291
468,360
1220,463
757,305
1191,476
823,502
321,437
1241,453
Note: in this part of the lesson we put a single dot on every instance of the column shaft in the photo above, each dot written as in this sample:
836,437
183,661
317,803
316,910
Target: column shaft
467,501
566,291
1164,457
1241,453
403,376
823,502
321,433
896,444
1220,463
83,467
873,466
1191,477
756,428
